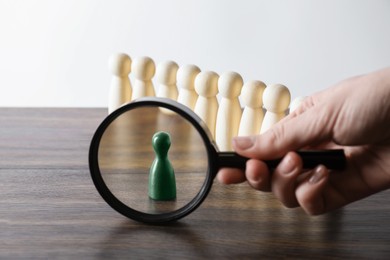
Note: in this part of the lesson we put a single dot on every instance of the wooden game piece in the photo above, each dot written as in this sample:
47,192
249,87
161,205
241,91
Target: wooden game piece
186,84
229,112
162,182
276,99
120,88
252,116
206,107
143,69
296,103
166,79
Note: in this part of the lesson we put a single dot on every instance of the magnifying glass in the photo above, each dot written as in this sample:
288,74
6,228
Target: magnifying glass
154,160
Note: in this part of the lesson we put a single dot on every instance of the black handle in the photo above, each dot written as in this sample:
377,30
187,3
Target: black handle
332,159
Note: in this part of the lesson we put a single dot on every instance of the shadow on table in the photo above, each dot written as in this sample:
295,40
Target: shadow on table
291,234
140,240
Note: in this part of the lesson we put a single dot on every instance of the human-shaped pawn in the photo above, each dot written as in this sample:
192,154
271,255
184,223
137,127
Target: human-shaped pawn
276,99
162,182
252,116
143,69
166,79
206,106
120,88
229,112
296,103
186,84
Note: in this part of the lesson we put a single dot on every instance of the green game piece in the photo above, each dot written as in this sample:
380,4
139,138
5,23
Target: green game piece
162,183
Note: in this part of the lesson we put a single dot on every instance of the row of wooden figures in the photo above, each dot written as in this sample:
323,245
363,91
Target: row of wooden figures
198,90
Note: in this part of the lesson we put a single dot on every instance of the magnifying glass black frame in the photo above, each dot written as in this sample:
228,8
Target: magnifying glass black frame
333,159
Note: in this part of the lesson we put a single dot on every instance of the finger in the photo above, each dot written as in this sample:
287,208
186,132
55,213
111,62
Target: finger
310,193
230,176
311,127
284,179
258,175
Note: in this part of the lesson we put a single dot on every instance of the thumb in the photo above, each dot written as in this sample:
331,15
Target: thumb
294,132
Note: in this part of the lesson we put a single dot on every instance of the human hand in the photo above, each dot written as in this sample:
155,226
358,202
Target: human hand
354,115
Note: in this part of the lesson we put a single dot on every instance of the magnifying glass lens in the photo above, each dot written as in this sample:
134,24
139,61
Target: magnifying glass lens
152,160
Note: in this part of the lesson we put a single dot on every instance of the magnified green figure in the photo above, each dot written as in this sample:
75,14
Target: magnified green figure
162,183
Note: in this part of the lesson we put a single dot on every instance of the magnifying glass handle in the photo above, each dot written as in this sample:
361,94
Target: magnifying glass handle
332,159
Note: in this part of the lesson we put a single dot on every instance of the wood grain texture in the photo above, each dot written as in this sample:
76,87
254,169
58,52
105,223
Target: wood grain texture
49,208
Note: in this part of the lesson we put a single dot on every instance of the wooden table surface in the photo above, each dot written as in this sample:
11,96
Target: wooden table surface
49,208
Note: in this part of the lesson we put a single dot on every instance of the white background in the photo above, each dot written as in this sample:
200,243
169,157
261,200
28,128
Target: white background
54,53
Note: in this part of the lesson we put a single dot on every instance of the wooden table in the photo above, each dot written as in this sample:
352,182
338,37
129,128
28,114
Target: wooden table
49,207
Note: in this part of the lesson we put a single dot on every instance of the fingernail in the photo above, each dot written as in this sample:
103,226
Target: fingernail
319,173
243,142
287,165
